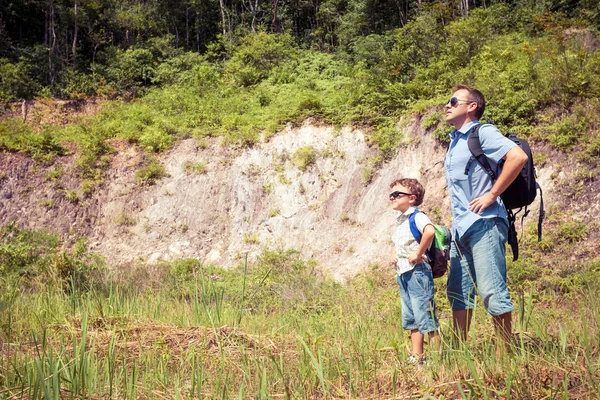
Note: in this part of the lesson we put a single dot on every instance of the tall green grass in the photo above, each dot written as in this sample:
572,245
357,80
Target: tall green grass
274,328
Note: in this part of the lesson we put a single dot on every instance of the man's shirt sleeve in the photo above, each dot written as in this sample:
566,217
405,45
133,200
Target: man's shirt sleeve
493,143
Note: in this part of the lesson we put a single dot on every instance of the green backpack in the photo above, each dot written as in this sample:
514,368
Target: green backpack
439,251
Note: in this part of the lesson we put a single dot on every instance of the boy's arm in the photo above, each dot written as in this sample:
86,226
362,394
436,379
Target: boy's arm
426,239
393,256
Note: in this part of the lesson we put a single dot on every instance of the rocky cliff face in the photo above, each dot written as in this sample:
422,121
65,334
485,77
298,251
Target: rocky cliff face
236,202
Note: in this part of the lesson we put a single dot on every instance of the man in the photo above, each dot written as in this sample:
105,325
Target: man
479,220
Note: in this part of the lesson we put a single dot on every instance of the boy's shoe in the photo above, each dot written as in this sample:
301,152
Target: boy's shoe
413,360
416,360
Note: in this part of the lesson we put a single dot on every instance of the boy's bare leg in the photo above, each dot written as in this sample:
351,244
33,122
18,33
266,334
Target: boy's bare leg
417,339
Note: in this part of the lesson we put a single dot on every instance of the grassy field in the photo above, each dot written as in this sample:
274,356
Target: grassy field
73,328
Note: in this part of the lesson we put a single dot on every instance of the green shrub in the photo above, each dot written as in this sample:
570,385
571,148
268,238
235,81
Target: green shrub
263,98
417,43
368,171
16,135
281,280
72,196
432,120
572,231
278,280
523,270
267,187
372,50
310,106
16,82
124,219
94,153
155,139
150,173
79,85
387,138
366,175
55,173
38,258
130,70
304,157
181,271
87,186
181,69
251,239
442,134
243,135
49,203
206,77
565,134
196,168
257,55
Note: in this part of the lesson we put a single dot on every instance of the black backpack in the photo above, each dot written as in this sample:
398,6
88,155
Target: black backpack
439,251
519,194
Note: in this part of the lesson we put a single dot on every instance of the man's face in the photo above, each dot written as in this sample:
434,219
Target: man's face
458,107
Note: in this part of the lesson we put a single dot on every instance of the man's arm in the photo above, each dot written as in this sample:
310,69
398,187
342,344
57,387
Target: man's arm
514,161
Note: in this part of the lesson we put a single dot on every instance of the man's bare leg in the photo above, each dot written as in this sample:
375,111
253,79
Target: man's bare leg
503,326
462,322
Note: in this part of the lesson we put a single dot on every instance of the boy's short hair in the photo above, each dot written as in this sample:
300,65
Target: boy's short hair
414,186
476,97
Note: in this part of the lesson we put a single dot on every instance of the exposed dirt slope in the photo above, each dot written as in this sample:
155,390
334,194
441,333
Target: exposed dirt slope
246,200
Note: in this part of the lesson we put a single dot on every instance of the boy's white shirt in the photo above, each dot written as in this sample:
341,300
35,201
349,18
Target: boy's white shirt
404,241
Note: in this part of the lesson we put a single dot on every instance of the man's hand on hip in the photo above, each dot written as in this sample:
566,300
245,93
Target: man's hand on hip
481,203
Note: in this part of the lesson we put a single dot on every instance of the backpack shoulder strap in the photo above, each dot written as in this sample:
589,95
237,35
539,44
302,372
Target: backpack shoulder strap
477,152
542,213
413,226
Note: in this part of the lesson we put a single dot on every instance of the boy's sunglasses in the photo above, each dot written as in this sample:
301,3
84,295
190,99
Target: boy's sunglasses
455,100
397,194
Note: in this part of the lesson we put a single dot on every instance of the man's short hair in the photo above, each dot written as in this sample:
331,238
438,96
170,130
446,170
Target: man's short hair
475,96
414,186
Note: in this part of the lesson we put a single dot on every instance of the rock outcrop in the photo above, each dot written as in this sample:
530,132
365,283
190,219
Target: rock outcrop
218,204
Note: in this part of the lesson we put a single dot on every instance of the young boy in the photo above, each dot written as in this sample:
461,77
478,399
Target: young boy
413,272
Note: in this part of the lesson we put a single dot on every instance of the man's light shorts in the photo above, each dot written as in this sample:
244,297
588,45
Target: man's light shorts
416,296
478,266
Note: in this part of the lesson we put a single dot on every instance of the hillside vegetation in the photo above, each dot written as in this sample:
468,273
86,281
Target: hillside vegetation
539,68
278,326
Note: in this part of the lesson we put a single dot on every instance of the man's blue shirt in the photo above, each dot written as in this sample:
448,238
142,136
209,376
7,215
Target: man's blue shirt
463,187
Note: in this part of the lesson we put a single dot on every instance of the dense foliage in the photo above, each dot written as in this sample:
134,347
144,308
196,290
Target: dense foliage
242,71
254,68
83,47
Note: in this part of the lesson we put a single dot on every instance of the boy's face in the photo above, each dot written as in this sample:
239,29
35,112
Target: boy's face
401,198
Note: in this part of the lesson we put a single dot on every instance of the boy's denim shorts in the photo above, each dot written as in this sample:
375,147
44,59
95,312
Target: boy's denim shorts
478,266
416,296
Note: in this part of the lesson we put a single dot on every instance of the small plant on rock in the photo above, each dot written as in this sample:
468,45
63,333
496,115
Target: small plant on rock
304,157
150,173
124,219
195,168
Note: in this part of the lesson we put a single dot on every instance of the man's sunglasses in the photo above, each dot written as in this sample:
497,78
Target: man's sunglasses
397,194
455,100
